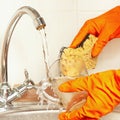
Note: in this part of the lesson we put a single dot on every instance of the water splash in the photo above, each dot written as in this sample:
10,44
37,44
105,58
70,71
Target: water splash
46,99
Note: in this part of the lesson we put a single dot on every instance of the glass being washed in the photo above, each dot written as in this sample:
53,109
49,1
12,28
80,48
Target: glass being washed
63,70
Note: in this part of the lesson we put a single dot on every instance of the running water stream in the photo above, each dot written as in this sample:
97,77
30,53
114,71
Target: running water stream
47,82
45,52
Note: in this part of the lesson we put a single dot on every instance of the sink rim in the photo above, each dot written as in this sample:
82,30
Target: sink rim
29,107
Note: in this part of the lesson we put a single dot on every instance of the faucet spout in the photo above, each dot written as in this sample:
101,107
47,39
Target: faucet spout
39,24
37,19
5,90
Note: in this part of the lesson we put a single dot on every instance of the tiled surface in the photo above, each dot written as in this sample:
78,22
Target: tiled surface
96,5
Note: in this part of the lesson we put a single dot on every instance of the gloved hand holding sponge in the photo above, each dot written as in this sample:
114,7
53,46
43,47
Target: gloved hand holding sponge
105,27
103,88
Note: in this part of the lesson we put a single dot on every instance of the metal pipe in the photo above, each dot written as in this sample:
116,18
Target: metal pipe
39,24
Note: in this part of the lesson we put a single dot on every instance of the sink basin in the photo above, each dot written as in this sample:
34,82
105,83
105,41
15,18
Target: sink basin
30,112
32,115
34,111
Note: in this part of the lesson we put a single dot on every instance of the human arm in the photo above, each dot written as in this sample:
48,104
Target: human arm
105,27
103,95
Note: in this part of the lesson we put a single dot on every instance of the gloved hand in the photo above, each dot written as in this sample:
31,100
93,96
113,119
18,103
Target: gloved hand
103,95
105,27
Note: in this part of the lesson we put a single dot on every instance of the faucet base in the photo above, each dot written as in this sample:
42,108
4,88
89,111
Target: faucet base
5,91
4,106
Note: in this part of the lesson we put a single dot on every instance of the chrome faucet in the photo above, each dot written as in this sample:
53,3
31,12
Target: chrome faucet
6,94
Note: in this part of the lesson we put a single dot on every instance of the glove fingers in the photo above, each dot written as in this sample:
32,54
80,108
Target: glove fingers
100,44
73,116
116,34
62,116
88,28
66,87
69,116
79,84
103,39
109,32
79,97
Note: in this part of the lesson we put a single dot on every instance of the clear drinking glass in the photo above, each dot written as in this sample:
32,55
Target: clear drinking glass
61,73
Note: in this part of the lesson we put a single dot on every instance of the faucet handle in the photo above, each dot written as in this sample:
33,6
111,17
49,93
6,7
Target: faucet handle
26,74
27,79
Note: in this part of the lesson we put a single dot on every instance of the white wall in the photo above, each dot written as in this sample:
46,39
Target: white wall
63,18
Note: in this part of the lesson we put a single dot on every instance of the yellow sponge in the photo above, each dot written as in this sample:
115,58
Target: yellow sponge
71,61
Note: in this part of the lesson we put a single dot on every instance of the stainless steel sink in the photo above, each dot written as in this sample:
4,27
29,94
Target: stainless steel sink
30,112
32,115
34,111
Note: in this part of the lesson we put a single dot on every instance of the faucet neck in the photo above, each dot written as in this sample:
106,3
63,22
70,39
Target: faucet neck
39,24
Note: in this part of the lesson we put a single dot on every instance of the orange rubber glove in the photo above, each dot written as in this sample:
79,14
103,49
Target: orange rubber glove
103,95
105,27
